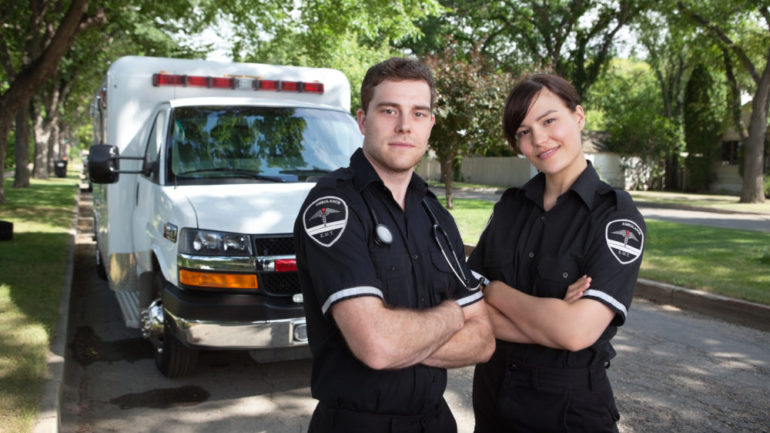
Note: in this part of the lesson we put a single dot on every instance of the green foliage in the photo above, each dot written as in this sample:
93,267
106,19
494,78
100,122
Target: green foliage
468,107
573,38
348,35
633,114
703,120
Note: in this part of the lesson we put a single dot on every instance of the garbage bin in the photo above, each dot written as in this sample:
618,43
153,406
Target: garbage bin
6,230
60,168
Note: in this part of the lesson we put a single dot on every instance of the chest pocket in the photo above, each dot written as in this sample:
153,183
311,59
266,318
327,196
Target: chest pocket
554,275
442,280
498,265
395,272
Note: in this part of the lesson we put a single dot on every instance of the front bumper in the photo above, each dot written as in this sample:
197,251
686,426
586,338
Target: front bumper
233,320
241,335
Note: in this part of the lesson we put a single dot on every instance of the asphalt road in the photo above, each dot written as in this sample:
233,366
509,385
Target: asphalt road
675,371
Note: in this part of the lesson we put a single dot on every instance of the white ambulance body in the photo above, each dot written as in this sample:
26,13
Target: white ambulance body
200,168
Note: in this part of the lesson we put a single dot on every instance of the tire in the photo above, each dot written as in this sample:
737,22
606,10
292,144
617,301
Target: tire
172,358
100,269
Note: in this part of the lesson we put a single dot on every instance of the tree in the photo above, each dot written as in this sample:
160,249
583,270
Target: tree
632,114
703,126
23,82
468,108
572,38
349,35
742,28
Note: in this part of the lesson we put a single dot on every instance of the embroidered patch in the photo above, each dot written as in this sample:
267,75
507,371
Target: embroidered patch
625,240
325,220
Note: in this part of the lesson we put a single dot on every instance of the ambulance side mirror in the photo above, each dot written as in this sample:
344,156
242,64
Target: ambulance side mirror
103,163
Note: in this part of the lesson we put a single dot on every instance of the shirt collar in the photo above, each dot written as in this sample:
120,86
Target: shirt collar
364,175
584,186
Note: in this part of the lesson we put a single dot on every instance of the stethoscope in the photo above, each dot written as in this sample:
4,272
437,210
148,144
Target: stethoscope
383,236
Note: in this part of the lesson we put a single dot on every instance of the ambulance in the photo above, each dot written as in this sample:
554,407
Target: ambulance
199,169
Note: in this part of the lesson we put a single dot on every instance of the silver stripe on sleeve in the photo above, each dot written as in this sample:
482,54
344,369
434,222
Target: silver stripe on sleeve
483,279
470,298
349,293
607,298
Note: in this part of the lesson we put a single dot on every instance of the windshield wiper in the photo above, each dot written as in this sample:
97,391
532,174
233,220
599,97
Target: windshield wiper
249,174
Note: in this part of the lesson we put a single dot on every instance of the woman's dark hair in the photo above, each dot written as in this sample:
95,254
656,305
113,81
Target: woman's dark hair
396,69
521,97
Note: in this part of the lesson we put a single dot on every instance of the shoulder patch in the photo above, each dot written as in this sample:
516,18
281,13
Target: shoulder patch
625,239
325,219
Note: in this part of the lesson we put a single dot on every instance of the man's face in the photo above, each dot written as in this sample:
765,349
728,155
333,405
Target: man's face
396,125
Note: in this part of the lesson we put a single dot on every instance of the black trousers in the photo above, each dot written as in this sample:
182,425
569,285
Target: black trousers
329,419
508,398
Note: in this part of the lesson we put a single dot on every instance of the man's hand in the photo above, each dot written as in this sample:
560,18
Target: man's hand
575,290
389,338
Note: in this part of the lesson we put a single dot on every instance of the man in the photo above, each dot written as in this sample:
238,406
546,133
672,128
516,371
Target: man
389,300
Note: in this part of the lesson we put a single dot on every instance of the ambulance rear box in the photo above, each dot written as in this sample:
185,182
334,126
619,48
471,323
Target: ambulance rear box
199,169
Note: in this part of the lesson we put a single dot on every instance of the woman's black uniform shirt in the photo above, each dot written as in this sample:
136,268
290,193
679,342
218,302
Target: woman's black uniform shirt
592,230
338,259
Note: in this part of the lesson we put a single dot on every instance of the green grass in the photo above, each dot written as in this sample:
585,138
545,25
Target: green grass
32,274
734,263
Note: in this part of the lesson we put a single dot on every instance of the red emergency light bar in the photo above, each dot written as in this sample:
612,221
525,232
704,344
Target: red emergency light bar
159,80
286,265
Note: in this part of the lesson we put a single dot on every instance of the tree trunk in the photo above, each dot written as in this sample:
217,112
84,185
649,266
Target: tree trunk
754,146
42,133
21,176
446,172
32,76
54,153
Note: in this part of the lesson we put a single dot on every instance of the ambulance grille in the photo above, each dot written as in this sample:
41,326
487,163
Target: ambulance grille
277,283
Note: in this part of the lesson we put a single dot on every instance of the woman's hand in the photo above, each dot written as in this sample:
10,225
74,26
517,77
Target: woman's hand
575,290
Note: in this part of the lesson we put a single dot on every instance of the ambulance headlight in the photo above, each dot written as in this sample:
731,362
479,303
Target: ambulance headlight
208,243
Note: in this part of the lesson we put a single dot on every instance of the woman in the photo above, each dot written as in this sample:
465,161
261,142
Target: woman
548,371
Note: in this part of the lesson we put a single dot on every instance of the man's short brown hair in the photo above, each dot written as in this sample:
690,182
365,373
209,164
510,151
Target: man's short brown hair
396,69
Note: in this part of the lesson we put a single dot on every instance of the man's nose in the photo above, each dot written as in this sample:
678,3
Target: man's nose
404,123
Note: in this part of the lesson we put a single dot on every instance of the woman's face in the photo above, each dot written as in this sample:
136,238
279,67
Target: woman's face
549,136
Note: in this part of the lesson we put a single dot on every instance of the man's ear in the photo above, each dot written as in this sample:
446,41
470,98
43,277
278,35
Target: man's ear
361,117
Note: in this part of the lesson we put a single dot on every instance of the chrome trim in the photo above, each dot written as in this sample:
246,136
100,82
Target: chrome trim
216,263
240,335
267,263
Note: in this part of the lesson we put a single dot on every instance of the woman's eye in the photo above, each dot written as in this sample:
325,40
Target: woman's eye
522,133
550,120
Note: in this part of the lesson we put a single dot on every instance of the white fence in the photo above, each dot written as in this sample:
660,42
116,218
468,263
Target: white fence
516,171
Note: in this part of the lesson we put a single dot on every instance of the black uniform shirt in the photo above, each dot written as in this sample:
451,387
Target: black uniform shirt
592,230
338,259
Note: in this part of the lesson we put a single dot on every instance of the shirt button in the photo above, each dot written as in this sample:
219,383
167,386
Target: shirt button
531,254
565,275
416,257
393,268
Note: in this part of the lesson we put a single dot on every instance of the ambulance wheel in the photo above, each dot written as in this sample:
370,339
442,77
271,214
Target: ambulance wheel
173,358
100,270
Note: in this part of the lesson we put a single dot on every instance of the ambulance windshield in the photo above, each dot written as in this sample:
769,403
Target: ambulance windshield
217,144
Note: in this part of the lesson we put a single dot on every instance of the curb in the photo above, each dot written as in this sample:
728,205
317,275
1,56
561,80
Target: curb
728,309
48,418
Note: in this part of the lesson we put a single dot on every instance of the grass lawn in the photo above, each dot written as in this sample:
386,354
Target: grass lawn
32,270
734,263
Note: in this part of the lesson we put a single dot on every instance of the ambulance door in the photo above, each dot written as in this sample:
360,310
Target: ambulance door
147,225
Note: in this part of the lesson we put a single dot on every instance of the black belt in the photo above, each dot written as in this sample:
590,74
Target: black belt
562,378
